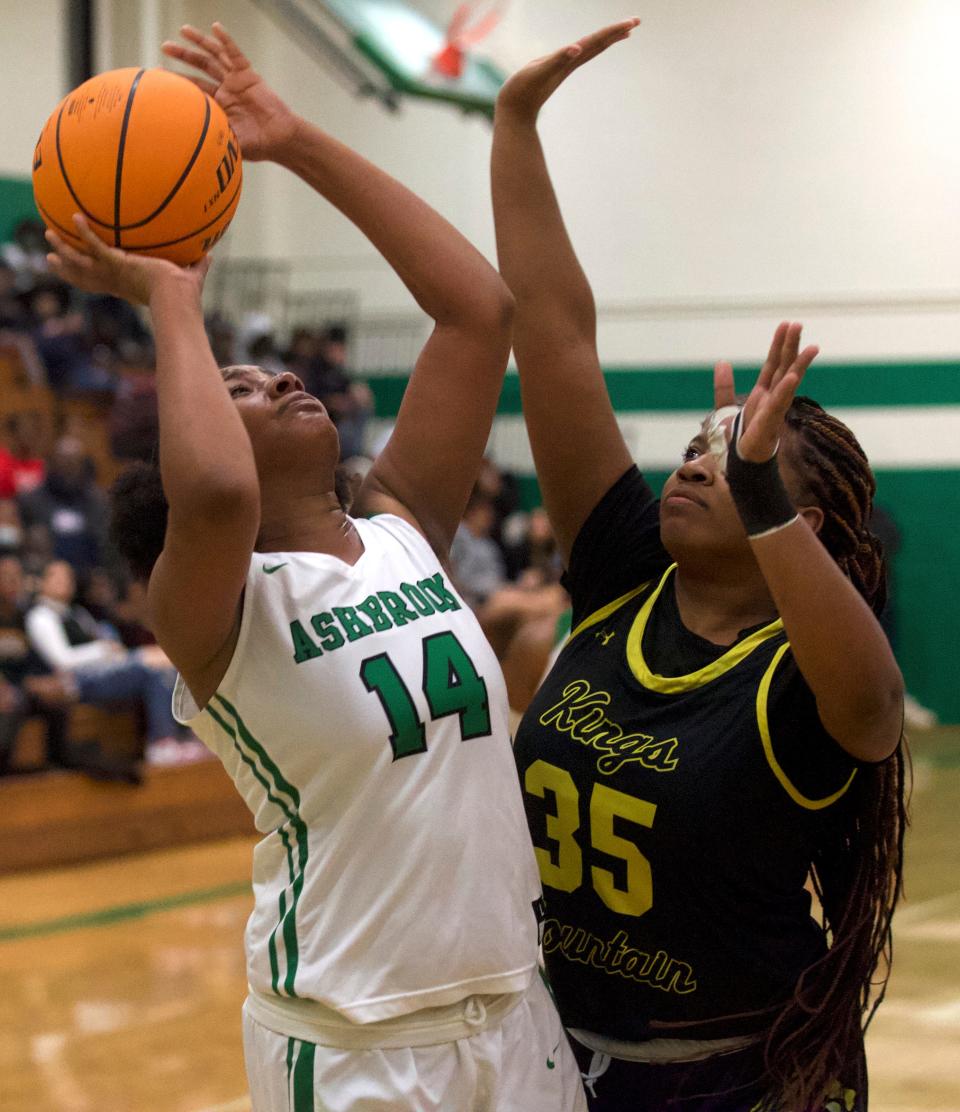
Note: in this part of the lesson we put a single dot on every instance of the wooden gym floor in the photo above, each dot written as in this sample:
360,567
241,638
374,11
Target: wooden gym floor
123,980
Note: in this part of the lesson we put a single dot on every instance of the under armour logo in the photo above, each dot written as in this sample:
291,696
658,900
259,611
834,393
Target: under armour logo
604,636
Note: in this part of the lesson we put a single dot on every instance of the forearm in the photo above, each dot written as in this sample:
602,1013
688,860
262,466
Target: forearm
554,336
837,641
536,257
205,453
449,279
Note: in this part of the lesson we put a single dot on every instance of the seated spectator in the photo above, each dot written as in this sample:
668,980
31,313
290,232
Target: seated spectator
320,362
28,689
62,339
475,559
22,458
69,640
26,254
71,506
348,400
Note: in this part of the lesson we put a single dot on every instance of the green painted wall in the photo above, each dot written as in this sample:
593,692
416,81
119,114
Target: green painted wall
16,202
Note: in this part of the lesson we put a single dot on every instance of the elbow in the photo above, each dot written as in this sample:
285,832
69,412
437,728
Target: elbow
487,311
873,732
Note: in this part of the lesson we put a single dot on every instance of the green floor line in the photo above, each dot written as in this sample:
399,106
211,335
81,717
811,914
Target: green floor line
107,916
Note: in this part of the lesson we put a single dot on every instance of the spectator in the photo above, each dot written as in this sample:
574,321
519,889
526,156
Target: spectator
475,560
68,639
22,467
348,401
27,689
60,334
71,505
26,255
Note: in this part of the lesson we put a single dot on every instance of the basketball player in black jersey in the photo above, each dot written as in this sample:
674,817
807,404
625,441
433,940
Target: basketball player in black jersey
724,723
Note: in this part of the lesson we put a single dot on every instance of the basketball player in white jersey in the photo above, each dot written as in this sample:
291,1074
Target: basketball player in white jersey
328,662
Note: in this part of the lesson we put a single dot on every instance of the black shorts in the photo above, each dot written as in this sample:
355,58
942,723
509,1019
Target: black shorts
723,1083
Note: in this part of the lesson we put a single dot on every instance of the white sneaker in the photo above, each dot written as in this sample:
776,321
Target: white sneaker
163,753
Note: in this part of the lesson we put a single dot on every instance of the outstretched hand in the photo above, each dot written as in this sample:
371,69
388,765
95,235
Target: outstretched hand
525,93
766,406
102,269
261,120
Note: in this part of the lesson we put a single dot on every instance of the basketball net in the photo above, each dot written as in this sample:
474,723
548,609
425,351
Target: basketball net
465,30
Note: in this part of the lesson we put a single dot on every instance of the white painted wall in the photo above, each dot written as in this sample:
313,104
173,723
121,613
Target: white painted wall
732,164
33,76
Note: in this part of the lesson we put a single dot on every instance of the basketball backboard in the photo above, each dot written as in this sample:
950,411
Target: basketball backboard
403,43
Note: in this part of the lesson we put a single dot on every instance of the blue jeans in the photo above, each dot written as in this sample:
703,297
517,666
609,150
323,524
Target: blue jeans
132,679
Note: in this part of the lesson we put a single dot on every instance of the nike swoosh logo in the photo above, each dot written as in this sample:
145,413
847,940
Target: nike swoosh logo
276,567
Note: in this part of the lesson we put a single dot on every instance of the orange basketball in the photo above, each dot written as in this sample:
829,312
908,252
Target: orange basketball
148,158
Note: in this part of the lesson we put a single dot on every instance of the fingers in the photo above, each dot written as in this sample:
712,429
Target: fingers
66,261
238,59
724,392
773,355
201,60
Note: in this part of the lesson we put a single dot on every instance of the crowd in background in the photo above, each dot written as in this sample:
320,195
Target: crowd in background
71,619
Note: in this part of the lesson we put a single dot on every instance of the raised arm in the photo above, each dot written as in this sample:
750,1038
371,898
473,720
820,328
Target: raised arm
577,446
835,637
206,461
430,464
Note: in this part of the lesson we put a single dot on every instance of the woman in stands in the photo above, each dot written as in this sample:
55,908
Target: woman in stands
725,720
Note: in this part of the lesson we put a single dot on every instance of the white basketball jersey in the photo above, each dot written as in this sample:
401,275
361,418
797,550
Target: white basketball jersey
363,718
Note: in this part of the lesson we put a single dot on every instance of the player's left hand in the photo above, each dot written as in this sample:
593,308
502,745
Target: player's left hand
525,93
766,406
261,120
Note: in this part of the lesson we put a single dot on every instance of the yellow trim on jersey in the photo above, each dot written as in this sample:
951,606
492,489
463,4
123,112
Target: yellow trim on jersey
673,685
605,611
762,692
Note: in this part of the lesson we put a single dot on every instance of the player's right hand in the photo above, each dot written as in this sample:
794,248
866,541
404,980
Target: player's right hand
262,122
526,92
102,269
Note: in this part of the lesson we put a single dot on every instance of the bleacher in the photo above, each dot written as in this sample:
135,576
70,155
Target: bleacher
79,819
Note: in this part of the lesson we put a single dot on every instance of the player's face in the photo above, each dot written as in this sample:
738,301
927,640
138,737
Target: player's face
286,425
697,513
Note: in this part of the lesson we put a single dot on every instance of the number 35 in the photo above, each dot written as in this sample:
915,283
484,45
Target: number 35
564,870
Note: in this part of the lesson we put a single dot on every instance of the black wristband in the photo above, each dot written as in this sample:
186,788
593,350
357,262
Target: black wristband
758,491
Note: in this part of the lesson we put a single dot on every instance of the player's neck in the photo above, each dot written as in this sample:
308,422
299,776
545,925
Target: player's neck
309,523
717,606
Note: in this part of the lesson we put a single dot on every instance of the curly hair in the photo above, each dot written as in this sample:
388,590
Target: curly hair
138,515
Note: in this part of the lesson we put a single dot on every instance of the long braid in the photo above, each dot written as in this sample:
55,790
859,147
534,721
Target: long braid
857,872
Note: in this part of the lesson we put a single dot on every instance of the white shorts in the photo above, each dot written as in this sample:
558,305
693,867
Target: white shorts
522,1064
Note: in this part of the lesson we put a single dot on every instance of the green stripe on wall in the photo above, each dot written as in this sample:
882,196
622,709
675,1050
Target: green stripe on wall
658,389
16,203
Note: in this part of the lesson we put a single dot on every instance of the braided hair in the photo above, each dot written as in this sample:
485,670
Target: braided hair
857,871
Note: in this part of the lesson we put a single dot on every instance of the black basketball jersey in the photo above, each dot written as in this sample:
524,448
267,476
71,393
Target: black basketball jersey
674,816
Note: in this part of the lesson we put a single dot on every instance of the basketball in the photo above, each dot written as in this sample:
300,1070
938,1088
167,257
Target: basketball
147,157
